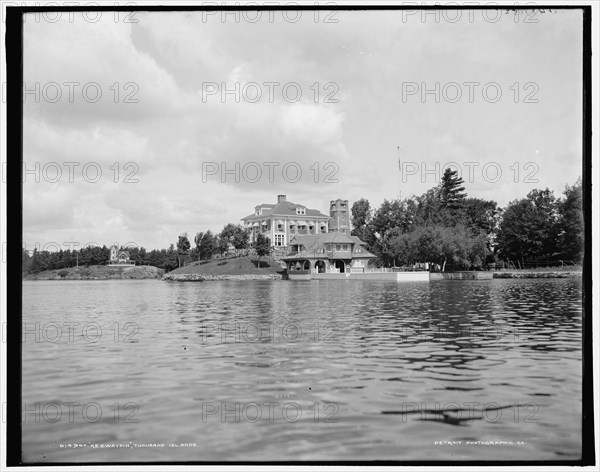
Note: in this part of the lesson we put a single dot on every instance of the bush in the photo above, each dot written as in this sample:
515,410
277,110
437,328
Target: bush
63,273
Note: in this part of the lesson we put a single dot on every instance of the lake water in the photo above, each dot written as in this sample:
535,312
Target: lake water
301,370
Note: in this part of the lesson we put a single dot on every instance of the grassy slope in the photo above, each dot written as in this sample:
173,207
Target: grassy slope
234,266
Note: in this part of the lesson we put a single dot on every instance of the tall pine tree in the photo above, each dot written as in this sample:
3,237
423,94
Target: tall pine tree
452,193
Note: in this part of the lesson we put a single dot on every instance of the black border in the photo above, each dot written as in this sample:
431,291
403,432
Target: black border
14,61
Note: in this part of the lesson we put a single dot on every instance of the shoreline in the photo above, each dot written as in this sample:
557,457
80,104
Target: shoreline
211,277
99,272
537,275
473,275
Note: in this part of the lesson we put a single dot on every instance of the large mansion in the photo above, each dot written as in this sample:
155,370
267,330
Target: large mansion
314,241
284,220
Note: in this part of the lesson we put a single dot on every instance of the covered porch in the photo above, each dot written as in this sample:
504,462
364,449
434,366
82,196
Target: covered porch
318,265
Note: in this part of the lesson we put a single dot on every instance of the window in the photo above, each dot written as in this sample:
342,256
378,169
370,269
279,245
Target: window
300,211
344,247
358,249
338,247
258,211
279,239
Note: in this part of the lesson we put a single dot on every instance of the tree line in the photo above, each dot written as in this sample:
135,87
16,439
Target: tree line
453,231
232,240
444,226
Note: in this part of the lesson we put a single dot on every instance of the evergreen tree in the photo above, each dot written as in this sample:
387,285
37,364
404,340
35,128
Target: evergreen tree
451,190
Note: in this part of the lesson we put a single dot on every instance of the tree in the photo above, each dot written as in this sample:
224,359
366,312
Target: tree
361,217
227,232
195,253
427,208
262,246
235,235
397,248
528,230
142,256
170,258
241,238
183,247
570,223
222,245
38,261
451,190
480,215
391,214
25,261
439,244
207,245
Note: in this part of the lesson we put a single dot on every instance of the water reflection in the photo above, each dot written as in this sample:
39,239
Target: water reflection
207,358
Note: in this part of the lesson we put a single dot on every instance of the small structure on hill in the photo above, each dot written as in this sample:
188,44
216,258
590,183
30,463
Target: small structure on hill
119,258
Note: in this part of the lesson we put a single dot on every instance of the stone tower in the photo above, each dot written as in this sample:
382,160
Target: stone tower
340,216
114,253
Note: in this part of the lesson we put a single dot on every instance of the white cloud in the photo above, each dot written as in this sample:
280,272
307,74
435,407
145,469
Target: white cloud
172,130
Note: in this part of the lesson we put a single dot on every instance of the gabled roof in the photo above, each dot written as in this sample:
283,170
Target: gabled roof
285,209
357,240
314,241
363,254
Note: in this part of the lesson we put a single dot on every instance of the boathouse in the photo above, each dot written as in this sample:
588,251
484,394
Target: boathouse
329,253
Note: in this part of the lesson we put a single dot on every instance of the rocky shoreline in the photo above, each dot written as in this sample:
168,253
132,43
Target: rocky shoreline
537,275
209,277
100,273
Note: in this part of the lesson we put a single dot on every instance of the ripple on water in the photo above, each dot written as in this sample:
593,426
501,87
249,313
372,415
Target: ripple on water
362,348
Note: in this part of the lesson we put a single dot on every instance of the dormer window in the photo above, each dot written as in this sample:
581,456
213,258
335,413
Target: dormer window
300,211
258,211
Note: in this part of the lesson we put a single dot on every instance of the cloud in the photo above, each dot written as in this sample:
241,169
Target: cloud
342,132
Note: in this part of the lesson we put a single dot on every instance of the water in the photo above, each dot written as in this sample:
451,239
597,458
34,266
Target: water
171,367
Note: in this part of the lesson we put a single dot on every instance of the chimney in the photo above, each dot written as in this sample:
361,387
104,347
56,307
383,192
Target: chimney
280,198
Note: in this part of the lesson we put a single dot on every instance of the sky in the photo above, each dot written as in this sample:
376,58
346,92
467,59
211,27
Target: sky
134,124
